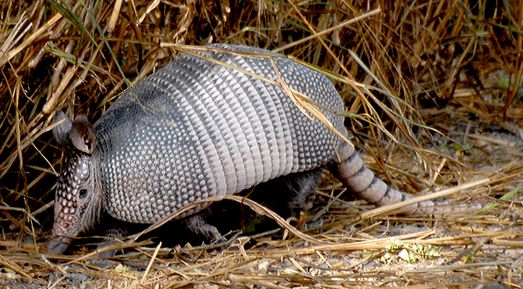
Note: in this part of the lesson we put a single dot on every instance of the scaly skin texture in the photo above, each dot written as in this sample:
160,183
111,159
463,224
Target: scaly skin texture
213,122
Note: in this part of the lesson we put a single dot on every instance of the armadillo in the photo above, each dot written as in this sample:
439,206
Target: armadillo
212,122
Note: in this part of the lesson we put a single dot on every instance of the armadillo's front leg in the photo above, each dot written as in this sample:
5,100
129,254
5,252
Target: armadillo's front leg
111,235
354,174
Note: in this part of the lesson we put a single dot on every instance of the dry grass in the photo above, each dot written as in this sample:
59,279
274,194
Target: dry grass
433,104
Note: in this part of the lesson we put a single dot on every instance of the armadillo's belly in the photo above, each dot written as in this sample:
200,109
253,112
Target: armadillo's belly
196,129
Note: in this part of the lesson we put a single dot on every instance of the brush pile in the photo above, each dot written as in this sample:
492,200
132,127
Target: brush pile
434,97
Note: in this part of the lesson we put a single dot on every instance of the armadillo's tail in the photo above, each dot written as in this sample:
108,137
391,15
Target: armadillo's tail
354,174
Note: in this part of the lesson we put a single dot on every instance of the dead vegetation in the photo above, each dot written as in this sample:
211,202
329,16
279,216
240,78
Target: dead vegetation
434,96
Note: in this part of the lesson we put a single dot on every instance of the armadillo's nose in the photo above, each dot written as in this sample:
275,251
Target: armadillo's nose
57,244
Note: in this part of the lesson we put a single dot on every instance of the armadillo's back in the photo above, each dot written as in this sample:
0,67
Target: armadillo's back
207,125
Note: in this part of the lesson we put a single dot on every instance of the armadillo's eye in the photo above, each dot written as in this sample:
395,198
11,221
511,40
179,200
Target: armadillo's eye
83,193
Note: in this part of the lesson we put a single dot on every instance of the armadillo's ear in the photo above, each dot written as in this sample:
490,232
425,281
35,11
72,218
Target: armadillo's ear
61,132
82,135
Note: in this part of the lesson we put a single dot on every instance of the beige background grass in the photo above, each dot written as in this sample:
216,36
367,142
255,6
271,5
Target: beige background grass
434,100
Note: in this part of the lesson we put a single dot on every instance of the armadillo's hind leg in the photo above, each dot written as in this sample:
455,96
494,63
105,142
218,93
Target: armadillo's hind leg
354,174
300,187
197,225
287,195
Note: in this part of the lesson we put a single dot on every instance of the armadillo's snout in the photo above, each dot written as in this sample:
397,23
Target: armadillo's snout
60,238
65,225
57,244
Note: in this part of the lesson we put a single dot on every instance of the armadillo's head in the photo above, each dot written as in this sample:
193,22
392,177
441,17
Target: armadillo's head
78,195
